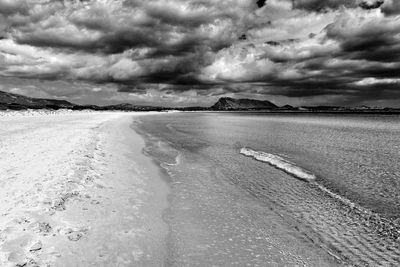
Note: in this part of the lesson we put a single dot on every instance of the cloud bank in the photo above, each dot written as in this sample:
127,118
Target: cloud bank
181,52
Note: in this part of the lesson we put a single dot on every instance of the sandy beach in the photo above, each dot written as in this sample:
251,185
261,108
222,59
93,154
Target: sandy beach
76,190
127,189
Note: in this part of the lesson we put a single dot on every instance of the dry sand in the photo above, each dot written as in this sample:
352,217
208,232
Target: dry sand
76,190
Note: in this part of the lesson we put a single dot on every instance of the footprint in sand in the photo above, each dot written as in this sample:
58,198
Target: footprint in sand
43,228
75,234
23,251
59,204
94,202
22,220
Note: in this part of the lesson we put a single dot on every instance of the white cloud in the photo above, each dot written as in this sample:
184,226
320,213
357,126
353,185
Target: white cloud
372,81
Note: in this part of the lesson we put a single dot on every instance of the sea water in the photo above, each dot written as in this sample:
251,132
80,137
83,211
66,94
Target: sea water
263,189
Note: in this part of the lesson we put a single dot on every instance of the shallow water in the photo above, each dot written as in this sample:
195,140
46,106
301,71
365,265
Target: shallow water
228,208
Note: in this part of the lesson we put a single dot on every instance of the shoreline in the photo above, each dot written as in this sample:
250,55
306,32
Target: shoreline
77,190
229,208
161,165
209,226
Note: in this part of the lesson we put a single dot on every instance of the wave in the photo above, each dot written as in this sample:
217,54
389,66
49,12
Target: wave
385,227
279,163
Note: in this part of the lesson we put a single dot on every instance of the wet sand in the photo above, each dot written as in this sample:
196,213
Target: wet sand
76,190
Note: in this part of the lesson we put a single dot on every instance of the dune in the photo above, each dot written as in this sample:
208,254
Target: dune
76,190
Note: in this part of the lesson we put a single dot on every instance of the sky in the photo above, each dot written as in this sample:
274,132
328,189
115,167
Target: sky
191,52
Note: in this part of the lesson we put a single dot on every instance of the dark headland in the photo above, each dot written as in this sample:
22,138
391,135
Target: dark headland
10,101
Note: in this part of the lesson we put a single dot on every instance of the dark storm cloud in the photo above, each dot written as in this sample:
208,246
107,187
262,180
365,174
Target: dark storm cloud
333,62
261,3
186,49
9,7
166,29
376,40
318,5
371,4
391,7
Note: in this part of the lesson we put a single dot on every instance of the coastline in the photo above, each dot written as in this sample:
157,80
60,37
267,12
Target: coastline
77,190
212,222
228,208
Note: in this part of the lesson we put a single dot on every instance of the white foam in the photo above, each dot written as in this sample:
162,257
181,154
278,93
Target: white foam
279,163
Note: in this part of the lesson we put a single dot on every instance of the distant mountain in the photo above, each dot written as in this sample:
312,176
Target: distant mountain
19,102
227,103
130,107
288,107
14,101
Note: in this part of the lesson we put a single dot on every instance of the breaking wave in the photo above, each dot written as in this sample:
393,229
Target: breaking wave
367,225
279,163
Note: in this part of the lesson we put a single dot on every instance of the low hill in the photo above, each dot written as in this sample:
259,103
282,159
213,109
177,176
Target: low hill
14,101
130,107
227,103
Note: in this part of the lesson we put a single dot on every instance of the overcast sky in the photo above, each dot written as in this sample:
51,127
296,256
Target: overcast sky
191,52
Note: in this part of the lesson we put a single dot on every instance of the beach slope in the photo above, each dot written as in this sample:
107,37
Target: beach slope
76,190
